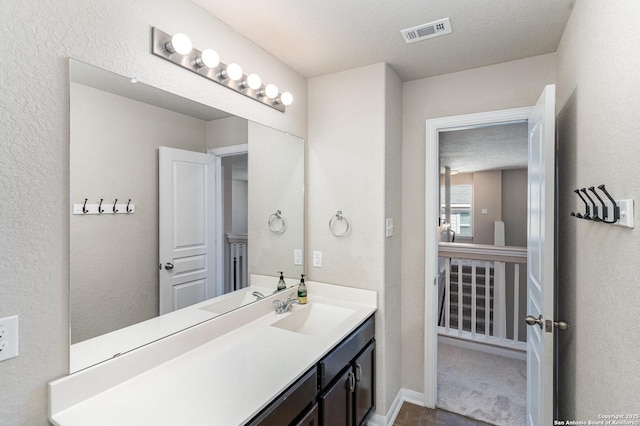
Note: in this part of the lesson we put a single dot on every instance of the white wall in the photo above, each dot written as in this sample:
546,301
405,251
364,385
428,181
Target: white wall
34,151
508,85
598,132
276,176
353,124
114,145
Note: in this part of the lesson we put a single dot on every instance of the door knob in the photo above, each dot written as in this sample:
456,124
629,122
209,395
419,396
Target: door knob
168,266
533,320
560,325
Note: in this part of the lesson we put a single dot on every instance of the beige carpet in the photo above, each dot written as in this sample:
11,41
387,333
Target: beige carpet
482,386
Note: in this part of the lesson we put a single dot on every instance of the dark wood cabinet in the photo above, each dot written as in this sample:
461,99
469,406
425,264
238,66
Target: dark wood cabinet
348,398
338,391
364,369
310,418
289,405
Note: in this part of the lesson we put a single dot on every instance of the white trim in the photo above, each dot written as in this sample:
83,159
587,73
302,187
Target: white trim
404,395
230,150
432,212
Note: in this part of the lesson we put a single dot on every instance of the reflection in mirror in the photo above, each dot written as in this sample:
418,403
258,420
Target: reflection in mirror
116,130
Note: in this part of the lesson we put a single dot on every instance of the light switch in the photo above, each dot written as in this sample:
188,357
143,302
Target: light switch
388,227
297,257
485,211
317,259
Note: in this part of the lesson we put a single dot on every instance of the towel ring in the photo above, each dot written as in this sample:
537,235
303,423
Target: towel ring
276,223
338,218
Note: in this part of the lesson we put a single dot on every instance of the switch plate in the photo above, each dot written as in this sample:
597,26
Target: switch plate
626,213
388,227
8,337
317,259
485,211
297,257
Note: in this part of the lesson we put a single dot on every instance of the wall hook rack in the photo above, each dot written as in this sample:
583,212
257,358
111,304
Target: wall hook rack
100,208
610,211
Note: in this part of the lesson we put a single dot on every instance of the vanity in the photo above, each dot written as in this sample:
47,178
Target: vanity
312,365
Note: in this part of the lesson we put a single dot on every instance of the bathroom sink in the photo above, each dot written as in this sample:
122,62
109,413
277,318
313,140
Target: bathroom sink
230,302
313,319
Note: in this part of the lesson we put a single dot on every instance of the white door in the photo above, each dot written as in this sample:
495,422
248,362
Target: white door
187,228
540,260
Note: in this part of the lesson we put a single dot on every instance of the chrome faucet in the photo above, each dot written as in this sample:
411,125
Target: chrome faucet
284,306
258,295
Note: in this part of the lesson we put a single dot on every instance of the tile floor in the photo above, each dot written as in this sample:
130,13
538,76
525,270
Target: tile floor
414,415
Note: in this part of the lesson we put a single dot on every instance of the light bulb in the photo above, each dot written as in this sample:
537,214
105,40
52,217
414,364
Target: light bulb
286,98
271,91
234,72
180,44
254,81
209,58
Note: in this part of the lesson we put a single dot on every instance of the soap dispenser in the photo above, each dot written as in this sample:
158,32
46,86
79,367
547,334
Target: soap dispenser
281,284
302,291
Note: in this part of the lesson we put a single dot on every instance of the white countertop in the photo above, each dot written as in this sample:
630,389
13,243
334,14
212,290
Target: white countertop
222,372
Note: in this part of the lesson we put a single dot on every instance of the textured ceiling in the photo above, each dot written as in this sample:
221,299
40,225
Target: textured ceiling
499,147
324,36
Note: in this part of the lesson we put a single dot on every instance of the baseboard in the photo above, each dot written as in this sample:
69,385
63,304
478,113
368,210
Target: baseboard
404,395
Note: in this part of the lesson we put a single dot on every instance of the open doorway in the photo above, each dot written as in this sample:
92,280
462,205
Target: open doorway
434,266
481,358
232,207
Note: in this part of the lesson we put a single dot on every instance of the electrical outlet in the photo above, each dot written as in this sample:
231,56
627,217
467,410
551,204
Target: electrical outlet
317,259
8,337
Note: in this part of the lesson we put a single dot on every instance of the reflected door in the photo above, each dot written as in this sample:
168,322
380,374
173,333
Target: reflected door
187,231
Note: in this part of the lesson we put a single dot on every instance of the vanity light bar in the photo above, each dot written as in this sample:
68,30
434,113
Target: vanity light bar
207,64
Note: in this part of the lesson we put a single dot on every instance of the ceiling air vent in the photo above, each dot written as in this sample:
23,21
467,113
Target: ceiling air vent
425,31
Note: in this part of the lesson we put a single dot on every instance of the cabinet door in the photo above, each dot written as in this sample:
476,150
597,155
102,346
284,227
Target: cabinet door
336,403
311,418
364,398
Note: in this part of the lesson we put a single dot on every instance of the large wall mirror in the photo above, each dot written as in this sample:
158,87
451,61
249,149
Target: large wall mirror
231,186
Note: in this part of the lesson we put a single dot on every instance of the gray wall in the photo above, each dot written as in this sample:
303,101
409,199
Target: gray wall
598,133
487,194
514,206
114,145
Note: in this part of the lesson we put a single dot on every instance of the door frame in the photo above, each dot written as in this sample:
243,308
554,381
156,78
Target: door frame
432,212
218,154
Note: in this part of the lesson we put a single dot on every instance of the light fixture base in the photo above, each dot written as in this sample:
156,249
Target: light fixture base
159,40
